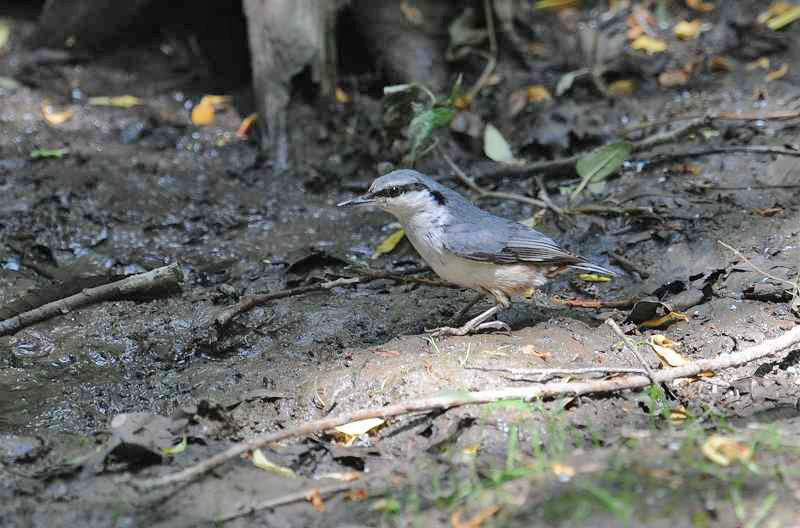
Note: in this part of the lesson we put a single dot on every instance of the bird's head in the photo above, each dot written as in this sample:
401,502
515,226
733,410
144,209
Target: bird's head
403,193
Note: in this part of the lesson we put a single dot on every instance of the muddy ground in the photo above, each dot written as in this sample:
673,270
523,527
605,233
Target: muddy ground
142,187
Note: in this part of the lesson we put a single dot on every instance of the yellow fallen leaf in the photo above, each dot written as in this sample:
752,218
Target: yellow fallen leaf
678,415
687,30
762,62
621,87
665,320
471,450
665,352
348,433
648,44
784,19
538,93
672,78
775,9
700,5
246,125
593,277
341,96
389,243
563,471
412,14
203,112
723,450
777,74
462,102
262,462
178,448
556,4
347,476
475,522
53,116
117,101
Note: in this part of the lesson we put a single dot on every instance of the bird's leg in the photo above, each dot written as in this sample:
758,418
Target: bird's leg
471,303
479,322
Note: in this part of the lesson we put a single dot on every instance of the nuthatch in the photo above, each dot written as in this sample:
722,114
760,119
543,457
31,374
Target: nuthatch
468,246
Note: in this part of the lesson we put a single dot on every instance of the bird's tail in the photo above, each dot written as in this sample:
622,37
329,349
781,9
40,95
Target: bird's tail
593,268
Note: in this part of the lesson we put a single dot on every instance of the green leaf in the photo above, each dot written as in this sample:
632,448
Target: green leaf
600,163
495,145
178,448
424,123
48,153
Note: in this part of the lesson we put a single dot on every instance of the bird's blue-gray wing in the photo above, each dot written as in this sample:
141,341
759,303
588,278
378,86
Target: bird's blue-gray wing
505,242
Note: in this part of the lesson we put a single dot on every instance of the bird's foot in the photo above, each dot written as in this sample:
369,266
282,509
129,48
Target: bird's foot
469,329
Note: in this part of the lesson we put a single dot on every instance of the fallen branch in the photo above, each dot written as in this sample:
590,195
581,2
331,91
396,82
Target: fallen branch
621,304
544,374
631,347
451,400
165,278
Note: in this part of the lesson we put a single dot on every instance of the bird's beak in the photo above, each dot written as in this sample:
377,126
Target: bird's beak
360,200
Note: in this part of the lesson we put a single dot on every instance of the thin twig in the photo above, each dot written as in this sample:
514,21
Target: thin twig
297,496
548,373
485,193
747,260
597,304
631,347
748,149
451,400
163,279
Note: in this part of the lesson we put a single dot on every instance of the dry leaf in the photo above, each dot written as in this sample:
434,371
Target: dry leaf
389,243
348,433
762,62
356,495
517,101
665,320
462,102
117,101
262,462
621,87
720,64
53,116
700,5
687,30
341,96
245,126
663,348
347,476
411,13
723,450
775,9
693,169
777,74
315,498
475,522
562,471
767,211
593,277
678,415
648,44
784,19
538,93
471,450
203,112
5,33
672,78
495,145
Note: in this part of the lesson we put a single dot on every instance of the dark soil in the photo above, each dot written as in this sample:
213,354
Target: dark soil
141,187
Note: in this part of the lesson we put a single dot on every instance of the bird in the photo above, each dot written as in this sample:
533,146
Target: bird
470,247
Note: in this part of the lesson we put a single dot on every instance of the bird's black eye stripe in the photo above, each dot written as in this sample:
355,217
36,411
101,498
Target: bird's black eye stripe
396,190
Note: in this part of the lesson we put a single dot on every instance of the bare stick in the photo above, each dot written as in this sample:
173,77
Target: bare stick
165,278
750,149
759,270
597,304
450,400
296,496
548,373
485,193
631,347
